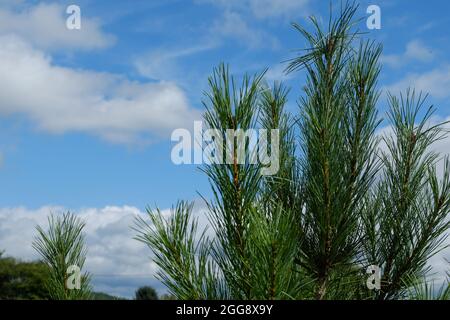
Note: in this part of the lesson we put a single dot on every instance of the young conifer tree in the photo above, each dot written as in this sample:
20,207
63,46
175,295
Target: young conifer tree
63,250
343,199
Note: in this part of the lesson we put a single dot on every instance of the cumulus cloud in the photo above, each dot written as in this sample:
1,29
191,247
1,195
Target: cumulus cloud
60,99
415,50
436,82
119,264
44,25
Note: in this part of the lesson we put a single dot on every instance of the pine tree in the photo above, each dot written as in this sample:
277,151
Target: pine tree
343,199
61,248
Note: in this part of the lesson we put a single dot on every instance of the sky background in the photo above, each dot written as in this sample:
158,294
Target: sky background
86,115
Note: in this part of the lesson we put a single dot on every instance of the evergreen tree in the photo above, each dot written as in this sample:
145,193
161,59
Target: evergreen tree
61,248
343,198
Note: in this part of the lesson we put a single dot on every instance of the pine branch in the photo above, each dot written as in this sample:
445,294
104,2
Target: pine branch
182,253
414,202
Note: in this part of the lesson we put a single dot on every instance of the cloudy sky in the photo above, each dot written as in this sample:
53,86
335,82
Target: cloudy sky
86,115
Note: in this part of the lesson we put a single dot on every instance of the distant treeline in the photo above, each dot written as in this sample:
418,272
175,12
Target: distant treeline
24,280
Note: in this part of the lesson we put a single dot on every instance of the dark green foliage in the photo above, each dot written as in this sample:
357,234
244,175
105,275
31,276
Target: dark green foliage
22,280
167,297
146,293
104,296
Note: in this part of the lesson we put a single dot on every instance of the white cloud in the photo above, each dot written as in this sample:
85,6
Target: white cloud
415,51
263,9
231,24
119,264
60,99
44,25
277,73
162,64
418,51
435,82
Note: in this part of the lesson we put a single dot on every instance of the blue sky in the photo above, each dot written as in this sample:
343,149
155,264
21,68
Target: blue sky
86,115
